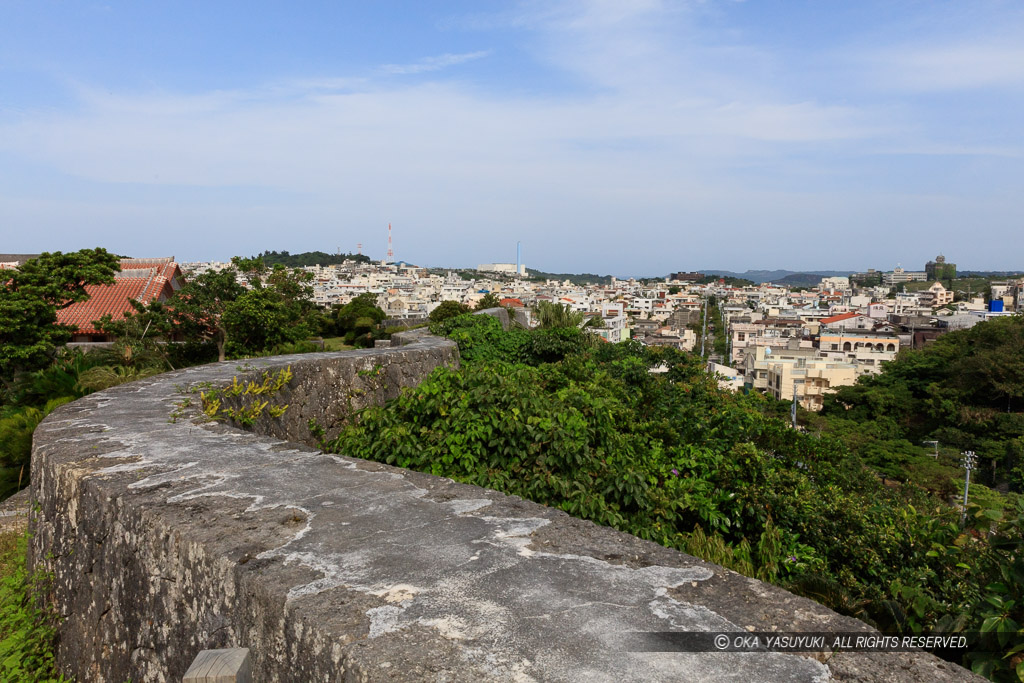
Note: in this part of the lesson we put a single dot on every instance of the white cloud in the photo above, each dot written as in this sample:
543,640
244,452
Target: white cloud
950,67
434,63
668,126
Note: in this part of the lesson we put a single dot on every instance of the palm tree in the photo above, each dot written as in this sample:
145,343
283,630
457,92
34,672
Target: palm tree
550,315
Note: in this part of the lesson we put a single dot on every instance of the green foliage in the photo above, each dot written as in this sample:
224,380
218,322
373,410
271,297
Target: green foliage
250,403
60,378
550,315
448,309
489,300
30,297
717,329
481,339
16,427
260,319
106,376
33,395
671,458
308,258
141,336
729,280
276,310
27,632
575,278
358,321
999,611
965,390
547,416
200,306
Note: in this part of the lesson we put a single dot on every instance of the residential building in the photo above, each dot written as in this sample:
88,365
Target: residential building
834,284
757,362
509,268
686,277
899,276
728,377
811,379
935,296
867,350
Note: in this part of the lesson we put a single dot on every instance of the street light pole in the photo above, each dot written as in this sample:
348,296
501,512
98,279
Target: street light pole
969,463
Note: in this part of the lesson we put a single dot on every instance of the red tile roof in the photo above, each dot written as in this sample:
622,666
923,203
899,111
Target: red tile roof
838,318
143,280
515,303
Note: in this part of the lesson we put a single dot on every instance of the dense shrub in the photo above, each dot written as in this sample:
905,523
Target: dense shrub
587,427
27,631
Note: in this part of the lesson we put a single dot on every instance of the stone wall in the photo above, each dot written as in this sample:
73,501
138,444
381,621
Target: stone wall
167,535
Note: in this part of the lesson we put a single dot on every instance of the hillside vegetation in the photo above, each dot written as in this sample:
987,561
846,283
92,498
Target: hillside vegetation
965,391
559,418
307,258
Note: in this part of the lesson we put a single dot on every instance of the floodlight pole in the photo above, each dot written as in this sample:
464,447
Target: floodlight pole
969,463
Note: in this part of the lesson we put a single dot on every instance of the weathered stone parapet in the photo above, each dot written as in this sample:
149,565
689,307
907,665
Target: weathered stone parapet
167,536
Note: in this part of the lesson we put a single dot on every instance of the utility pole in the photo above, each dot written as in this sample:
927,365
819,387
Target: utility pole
704,328
969,463
793,408
728,331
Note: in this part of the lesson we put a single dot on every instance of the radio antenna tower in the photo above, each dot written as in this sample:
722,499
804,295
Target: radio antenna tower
391,253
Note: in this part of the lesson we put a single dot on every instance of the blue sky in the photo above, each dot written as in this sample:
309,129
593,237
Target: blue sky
613,136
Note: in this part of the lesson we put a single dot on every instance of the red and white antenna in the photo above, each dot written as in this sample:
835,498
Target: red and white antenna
391,253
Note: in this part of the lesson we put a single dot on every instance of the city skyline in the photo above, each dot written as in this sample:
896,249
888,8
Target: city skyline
622,138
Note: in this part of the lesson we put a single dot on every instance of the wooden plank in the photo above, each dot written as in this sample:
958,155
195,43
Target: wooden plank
229,665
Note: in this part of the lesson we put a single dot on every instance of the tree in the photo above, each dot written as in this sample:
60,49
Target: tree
200,306
358,318
309,258
448,309
275,310
31,296
551,315
489,300
141,337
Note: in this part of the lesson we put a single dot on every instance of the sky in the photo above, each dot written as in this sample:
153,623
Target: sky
630,137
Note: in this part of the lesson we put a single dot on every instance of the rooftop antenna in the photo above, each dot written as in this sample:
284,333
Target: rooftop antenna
519,257
391,253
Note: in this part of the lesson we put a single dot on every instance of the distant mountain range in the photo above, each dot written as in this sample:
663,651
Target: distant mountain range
785,277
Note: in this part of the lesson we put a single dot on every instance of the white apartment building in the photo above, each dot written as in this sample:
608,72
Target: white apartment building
509,268
834,284
614,318
810,379
898,276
